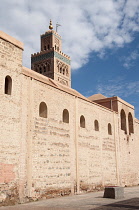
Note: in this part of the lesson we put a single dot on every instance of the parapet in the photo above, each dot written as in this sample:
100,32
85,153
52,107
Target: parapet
48,51
11,39
51,32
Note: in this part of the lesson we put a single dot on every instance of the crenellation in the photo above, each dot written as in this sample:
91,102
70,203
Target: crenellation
50,50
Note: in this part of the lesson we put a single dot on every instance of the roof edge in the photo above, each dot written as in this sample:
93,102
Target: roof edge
12,40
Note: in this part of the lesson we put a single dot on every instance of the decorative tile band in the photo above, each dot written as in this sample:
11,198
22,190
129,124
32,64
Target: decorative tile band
62,58
42,57
50,55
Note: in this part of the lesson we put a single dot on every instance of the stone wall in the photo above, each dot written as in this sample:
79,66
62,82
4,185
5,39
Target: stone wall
46,157
10,120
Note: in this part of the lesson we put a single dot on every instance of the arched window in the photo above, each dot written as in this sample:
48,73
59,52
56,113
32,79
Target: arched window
48,46
8,85
44,68
43,110
96,125
67,72
63,71
40,70
82,122
123,121
60,69
130,123
55,47
44,47
109,129
65,116
48,67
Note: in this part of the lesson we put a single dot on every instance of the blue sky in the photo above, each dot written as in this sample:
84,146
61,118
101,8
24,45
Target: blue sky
117,73
101,36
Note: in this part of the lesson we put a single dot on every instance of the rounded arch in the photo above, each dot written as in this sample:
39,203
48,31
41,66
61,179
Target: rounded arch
67,72
43,110
96,125
109,129
65,116
82,121
44,68
40,70
48,67
130,123
123,121
8,85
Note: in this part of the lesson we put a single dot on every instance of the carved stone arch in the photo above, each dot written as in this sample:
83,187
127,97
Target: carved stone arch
37,69
130,123
41,68
44,68
67,73
60,69
48,67
123,121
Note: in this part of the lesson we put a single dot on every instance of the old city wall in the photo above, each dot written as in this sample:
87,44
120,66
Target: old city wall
128,147
97,148
10,119
51,149
65,158
44,157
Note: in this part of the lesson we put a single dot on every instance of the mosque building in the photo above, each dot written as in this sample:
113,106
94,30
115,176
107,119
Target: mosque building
54,141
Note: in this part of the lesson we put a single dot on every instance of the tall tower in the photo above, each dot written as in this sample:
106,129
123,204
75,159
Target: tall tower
51,61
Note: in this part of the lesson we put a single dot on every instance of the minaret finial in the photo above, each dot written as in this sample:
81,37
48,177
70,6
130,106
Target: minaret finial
50,26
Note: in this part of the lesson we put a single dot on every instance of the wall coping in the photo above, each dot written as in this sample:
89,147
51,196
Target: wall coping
12,40
41,78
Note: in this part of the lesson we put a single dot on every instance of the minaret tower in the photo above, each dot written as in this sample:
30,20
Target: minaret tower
51,61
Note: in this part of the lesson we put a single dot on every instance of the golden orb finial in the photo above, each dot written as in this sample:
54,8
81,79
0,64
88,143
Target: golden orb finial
50,26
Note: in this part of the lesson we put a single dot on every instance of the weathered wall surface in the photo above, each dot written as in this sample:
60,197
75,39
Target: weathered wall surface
10,121
50,142
128,148
44,157
63,157
97,158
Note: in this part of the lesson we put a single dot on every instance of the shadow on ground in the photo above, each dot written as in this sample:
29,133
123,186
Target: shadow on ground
122,205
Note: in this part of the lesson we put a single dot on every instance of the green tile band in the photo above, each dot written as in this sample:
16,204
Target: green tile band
50,55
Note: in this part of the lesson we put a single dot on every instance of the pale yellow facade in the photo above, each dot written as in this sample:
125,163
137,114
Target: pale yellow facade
43,154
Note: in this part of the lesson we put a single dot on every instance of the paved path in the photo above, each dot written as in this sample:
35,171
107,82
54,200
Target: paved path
87,201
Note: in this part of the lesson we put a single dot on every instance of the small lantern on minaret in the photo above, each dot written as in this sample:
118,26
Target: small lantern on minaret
50,26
